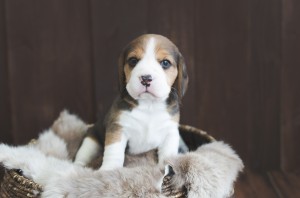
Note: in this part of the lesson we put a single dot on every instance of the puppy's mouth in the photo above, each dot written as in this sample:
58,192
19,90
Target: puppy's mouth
151,93
147,93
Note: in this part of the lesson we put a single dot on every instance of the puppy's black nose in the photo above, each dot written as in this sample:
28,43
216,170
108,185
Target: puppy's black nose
146,79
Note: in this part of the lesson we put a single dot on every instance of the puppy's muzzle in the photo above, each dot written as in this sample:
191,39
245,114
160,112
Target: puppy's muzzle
146,80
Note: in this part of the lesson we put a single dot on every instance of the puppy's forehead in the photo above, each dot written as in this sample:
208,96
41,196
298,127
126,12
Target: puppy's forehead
158,43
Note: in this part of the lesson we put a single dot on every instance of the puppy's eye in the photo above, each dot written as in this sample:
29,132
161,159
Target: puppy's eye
132,61
165,64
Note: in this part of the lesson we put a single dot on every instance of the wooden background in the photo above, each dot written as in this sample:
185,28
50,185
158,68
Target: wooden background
242,56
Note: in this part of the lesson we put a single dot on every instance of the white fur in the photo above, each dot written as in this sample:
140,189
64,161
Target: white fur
114,155
61,178
69,126
148,65
225,166
208,172
88,146
34,164
46,143
146,127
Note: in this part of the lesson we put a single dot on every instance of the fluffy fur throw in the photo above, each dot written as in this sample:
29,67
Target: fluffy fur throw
210,171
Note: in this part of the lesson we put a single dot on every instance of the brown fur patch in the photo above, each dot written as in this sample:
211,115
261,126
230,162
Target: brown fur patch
113,134
127,71
138,50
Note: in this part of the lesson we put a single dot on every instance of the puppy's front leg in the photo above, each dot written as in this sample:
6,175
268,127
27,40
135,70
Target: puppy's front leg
88,151
114,151
169,147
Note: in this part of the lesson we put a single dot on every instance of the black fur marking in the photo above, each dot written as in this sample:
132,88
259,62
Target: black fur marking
126,103
173,102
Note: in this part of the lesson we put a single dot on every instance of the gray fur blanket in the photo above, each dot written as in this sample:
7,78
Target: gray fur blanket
209,171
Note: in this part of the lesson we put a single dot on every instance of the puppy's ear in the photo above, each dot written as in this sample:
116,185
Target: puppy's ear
122,78
182,78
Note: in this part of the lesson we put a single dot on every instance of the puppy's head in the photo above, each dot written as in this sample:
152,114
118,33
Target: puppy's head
150,67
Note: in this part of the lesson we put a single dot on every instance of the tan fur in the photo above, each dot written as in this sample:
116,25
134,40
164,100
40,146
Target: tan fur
113,136
125,182
127,71
138,50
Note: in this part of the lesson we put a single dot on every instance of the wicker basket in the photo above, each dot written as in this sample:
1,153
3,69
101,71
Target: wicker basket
14,185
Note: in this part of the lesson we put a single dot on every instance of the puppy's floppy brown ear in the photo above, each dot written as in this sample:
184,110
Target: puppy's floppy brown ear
182,78
122,78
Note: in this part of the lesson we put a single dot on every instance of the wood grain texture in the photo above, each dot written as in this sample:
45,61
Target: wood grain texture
290,93
254,184
49,55
238,85
268,184
264,74
287,185
115,23
222,78
5,114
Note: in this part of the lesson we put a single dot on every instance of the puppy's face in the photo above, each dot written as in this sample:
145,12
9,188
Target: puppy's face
150,67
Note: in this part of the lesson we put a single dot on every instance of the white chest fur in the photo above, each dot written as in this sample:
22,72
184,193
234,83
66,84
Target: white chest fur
147,126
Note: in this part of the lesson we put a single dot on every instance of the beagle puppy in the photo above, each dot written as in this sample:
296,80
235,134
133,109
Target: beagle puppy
145,116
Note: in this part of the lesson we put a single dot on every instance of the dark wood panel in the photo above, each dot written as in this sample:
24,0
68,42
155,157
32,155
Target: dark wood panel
49,55
290,93
264,89
254,184
115,23
5,116
222,79
239,60
287,185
